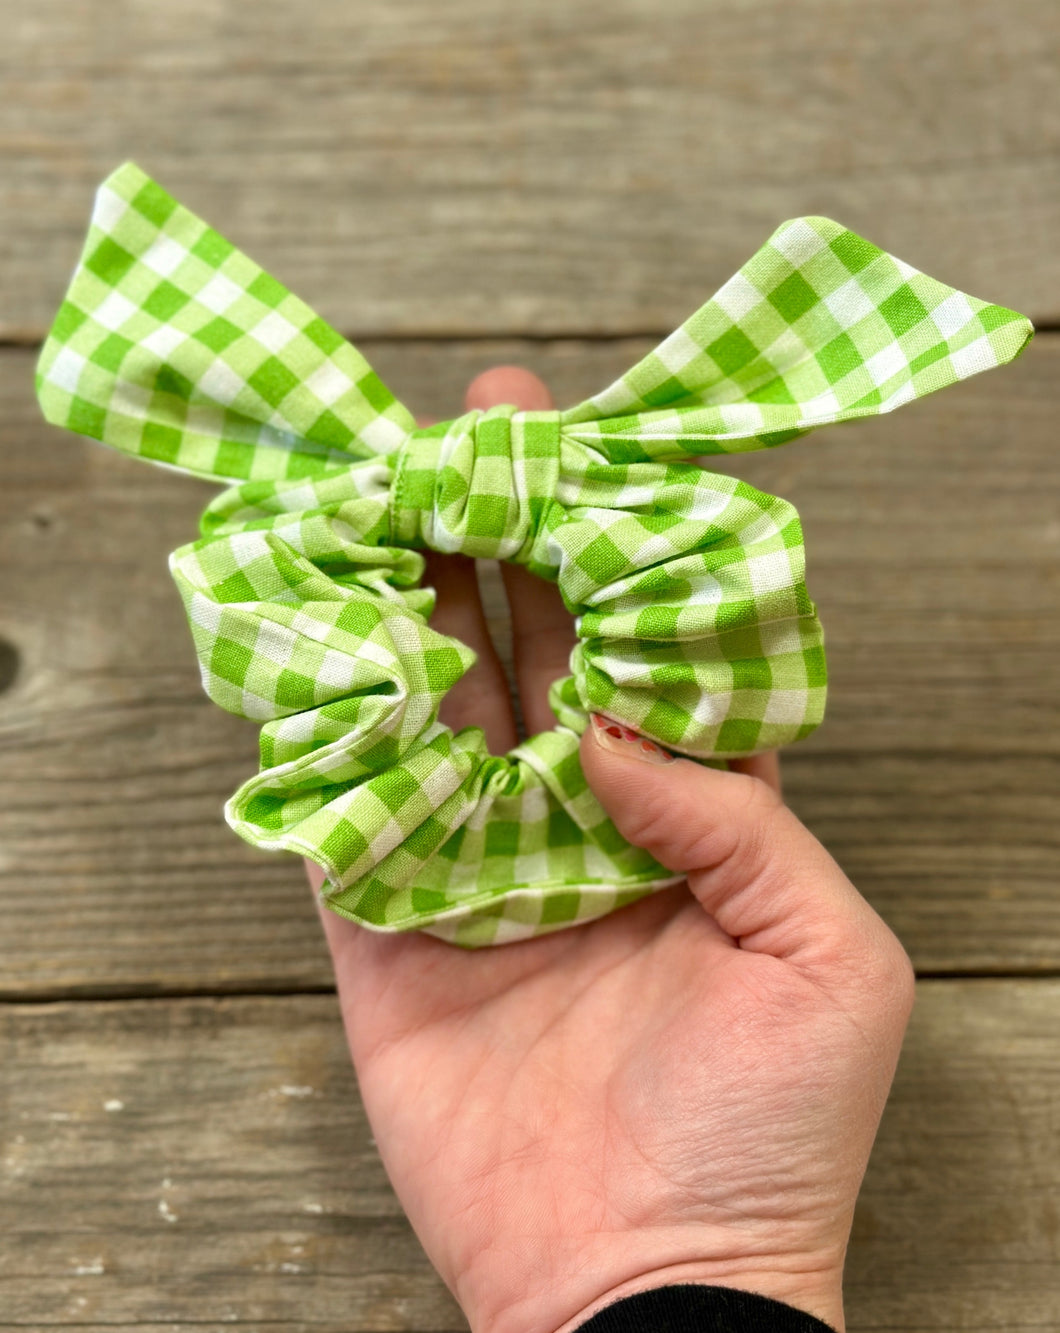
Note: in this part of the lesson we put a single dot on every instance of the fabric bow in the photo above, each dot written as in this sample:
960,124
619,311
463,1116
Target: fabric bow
694,624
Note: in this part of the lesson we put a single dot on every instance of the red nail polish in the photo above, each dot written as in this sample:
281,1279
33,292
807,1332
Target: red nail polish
622,741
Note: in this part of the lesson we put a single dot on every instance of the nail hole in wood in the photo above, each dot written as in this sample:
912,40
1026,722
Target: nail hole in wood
9,664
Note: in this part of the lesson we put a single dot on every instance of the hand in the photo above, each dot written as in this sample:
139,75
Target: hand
684,1091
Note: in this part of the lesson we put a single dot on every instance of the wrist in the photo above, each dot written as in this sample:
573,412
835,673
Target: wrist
695,1307
590,1281
816,1294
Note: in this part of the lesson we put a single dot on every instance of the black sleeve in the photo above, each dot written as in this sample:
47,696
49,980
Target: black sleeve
696,1309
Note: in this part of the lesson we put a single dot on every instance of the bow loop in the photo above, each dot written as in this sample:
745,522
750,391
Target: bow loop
175,346
819,326
483,484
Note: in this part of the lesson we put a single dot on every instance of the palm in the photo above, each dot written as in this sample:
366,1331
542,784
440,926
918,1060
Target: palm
647,1038
637,1096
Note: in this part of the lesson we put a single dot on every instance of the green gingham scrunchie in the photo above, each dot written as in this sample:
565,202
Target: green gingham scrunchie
694,624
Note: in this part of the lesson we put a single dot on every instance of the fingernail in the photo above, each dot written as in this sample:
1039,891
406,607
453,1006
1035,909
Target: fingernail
619,739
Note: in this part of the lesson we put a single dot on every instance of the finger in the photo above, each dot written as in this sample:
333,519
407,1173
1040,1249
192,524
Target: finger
542,639
508,384
480,698
759,873
341,935
766,767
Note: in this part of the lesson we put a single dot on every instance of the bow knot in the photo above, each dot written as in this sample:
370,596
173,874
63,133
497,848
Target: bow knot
483,484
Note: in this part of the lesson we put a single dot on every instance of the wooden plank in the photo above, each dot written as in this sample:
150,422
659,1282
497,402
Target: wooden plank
176,1161
171,1162
957,1224
932,541
556,168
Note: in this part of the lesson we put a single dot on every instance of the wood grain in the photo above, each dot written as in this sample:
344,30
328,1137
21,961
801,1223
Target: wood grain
176,1161
957,1225
932,541
166,1163
485,168
460,185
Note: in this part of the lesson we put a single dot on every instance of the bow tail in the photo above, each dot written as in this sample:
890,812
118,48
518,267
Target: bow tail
173,345
819,326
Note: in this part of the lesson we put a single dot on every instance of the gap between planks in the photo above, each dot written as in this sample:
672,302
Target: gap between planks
44,997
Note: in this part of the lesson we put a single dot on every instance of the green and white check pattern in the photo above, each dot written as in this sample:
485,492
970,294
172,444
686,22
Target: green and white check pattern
303,592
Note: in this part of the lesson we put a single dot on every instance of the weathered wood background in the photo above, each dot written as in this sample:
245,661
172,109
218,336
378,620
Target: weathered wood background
556,184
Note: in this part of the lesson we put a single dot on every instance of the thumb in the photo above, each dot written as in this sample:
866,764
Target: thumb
755,868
